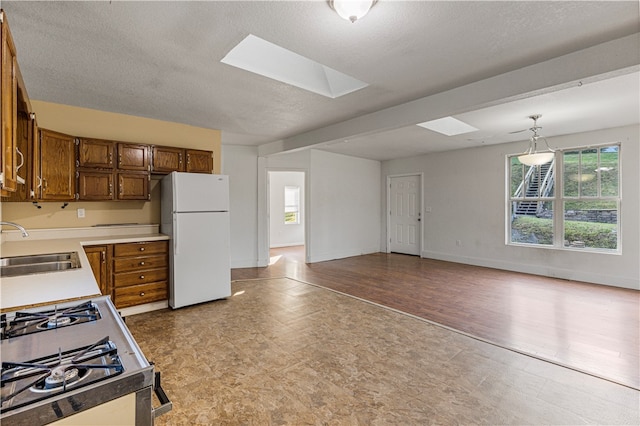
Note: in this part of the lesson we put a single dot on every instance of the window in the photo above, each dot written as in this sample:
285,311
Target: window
292,205
572,204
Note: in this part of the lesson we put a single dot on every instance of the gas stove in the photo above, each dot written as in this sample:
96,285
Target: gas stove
58,361
22,323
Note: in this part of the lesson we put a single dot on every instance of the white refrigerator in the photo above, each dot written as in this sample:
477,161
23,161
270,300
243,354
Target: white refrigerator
195,214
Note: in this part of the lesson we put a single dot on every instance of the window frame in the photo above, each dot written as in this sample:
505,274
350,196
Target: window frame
559,200
292,208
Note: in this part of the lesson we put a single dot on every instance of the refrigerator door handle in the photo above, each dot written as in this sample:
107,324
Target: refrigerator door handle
175,235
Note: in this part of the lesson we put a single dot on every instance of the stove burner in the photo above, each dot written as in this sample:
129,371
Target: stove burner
26,382
32,322
58,321
61,376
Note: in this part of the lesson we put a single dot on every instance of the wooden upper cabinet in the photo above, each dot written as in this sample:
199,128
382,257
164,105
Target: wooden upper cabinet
199,161
133,157
57,165
9,103
95,185
167,159
133,186
95,153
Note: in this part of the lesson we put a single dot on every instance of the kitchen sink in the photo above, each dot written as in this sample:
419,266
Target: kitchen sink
38,264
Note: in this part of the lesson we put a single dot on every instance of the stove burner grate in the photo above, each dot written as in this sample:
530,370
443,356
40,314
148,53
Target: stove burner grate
27,382
32,322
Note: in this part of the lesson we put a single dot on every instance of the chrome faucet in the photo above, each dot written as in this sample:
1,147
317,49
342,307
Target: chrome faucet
15,225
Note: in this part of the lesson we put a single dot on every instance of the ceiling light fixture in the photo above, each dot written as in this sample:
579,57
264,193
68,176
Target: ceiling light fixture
531,157
352,10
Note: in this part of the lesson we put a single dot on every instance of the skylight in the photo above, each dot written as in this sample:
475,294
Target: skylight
448,126
270,60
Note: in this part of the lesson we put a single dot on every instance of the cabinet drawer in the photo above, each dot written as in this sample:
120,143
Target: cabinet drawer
139,277
141,248
126,264
140,294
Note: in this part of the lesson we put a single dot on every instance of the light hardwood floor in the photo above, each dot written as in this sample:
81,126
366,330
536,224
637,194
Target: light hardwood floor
588,327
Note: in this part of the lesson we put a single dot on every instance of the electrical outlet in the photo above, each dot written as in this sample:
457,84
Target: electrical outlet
80,213
458,243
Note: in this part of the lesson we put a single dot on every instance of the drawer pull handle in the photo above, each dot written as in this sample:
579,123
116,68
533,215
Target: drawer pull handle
142,277
141,263
142,293
141,248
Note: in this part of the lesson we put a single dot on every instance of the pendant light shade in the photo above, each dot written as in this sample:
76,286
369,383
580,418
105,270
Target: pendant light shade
352,10
536,159
533,157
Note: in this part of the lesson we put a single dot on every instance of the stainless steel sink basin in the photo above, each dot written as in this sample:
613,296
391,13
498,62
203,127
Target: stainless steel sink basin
38,263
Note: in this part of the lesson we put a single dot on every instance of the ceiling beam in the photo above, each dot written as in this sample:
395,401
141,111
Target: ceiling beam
606,60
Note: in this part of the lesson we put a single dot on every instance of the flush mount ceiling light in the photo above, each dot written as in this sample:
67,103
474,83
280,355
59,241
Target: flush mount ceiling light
533,157
352,10
448,126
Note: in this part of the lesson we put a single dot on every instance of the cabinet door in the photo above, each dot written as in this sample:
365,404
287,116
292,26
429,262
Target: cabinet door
9,102
95,185
133,186
24,155
57,165
199,161
167,159
96,153
133,157
97,256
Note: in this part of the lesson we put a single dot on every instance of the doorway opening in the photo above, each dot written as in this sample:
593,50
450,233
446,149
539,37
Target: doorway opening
286,217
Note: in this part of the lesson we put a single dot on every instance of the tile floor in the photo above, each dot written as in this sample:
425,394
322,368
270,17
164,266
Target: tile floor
282,352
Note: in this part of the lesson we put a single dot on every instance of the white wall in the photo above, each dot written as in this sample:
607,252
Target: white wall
465,190
241,164
344,200
284,234
342,203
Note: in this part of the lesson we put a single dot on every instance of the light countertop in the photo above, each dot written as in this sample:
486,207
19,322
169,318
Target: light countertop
54,287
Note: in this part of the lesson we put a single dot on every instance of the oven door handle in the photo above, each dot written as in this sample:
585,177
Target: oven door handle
165,404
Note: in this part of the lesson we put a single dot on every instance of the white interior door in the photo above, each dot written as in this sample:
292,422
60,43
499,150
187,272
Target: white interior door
404,214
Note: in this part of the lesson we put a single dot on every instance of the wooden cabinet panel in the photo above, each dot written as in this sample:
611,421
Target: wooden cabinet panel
95,185
24,153
141,248
199,161
95,153
97,256
139,277
9,110
57,165
167,159
135,263
140,294
140,272
133,186
133,157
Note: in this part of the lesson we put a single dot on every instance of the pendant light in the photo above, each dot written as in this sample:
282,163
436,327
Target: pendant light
352,10
533,157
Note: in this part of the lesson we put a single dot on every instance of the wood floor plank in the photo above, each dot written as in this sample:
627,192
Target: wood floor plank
589,327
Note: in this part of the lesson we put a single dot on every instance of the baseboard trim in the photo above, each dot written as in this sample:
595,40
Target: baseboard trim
543,270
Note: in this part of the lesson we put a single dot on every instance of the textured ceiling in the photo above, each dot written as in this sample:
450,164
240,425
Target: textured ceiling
162,59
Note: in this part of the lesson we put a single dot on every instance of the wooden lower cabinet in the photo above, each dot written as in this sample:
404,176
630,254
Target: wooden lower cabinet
131,273
140,273
97,256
